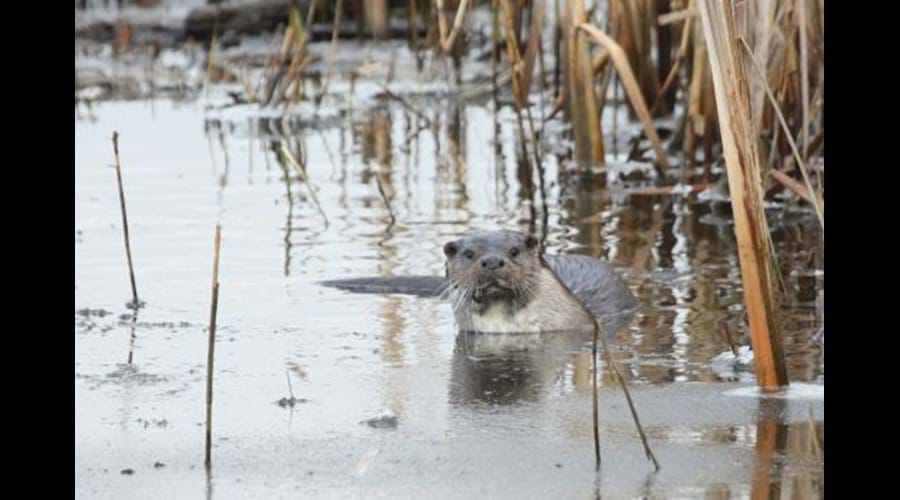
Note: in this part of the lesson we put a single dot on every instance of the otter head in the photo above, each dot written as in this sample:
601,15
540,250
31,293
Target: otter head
489,266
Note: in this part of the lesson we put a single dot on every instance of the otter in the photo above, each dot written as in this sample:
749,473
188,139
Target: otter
502,282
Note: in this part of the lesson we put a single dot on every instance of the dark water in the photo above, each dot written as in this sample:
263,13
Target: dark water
475,417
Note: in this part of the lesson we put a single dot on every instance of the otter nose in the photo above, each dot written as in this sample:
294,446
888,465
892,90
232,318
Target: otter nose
491,263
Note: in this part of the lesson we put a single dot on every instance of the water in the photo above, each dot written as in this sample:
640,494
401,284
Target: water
469,422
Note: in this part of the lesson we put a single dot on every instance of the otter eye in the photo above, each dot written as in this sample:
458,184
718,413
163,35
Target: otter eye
450,249
531,241
514,251
469,254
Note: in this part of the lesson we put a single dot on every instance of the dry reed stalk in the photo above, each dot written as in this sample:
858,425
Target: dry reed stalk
767,10
742,164
677,16
600,61
557,45
135,303
275,69
210,56
376,12
541,72
495,54
301,54
817,102
442,22
815,145
520,98
773,148
413,16
695,124
601,99
578,88
797,187
448,41
531,51
804,73
634,24
249,90
211,347
269,66
604,85
534,43
679,57
671,78
334,45
708,106
292,77
817,204
280,78
664,37
557,107
620,61
293,33
521,80
515,63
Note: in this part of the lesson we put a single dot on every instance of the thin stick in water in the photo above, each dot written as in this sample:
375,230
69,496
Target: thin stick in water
634,415
332,56
594,393
134,295
212,343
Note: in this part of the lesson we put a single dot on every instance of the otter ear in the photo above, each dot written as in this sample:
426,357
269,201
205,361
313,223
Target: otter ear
530,242
450,249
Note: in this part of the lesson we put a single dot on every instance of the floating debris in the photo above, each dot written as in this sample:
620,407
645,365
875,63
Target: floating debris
88,312
382,422
290,402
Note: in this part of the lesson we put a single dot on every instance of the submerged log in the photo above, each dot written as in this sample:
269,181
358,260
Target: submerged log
244,18
266,15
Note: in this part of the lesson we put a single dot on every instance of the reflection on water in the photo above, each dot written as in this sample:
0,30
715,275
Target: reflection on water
789,456
465,169
507,369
